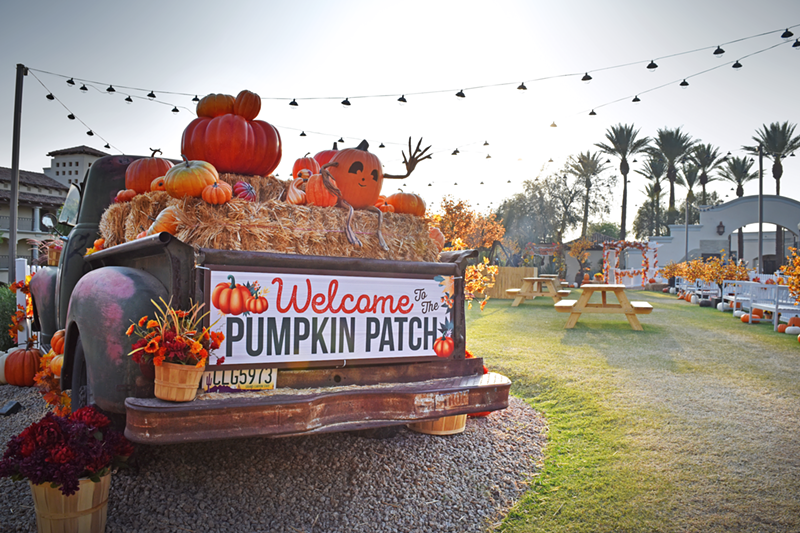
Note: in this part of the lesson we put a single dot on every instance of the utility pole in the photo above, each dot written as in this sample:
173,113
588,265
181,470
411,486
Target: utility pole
14,199
761,209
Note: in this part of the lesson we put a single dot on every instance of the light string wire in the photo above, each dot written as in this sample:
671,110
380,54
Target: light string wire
437,91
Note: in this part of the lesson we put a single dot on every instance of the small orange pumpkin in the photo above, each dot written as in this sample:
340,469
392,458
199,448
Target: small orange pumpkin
247,105
56,363
317,194
305,163
215,105
165,221
794,321
295,195
745,318
406,202
158,184
125,195
22,365
189,178
782,328
217,193
57,342
437,236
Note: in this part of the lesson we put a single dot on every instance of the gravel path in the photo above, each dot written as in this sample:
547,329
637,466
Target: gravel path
327,483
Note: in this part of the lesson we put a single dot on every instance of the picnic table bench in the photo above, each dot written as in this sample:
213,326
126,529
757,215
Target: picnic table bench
537,286
624,306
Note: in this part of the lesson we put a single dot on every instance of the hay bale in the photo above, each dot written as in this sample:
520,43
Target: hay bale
112,223
276,226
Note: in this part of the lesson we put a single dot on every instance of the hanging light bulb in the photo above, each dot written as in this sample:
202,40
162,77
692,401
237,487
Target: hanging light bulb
107,145
737,66
787,34
608,161
481,183
302,134
151,95
90,133
461,94
550,160
195,99
635,161
509,181
430,185
50,96
84,89
381,146
718,52
456,183
684,84
553,125
128,100
486,143
586,78
796,44
341,139
402,100
346,103
652,66
592,113
455,152
293,103
488,156
636,99
522,87
175,110
71,116
71,82
111,89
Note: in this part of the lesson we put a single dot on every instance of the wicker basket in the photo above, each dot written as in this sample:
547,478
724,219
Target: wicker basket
447,425
53,255
82,512
177,383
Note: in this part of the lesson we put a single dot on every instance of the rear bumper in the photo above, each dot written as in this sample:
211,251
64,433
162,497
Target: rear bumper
291,412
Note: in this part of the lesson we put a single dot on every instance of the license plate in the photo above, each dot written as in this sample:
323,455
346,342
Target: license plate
239,380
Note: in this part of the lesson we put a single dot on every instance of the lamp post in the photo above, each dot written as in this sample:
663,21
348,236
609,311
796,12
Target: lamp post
686,230
761,208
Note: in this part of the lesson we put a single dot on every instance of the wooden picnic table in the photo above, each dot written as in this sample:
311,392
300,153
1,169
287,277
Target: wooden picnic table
624,306
538,286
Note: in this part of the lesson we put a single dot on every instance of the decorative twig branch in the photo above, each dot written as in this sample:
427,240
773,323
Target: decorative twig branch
411,163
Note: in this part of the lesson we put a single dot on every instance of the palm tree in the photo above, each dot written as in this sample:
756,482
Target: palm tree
622,143
586,167
654,169
777,141
653,193
737,170
707,158
674,146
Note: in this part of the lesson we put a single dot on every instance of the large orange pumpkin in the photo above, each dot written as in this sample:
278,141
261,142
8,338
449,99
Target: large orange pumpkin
189,178
317,194
231,298
307,163
359,175
233,144
215,105
247,105
57,342
410,203
22,365
141,173
794,321
325,156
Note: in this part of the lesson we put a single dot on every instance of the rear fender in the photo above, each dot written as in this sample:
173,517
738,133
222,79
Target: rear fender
103,305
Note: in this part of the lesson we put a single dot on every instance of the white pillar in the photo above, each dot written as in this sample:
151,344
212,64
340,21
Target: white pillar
36,213
612,266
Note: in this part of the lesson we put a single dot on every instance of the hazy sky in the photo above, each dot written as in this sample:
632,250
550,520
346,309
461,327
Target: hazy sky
321,52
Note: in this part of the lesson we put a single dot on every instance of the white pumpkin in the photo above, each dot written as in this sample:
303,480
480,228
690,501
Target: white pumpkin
673,290
738,313
695,299
720,307
793,330
3,356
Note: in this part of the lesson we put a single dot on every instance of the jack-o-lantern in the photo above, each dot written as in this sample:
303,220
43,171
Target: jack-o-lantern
358,175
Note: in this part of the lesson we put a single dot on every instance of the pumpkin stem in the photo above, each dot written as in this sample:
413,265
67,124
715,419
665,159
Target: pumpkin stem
233,282
155,151
185,159
307,154
363,146
326,165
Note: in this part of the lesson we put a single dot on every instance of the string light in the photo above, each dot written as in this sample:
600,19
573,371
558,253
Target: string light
461,94
151,95
50,96
293,103
346,102
455,152
796,44
382,146
84,89
652,66
787,34
522,87
684,84
586,78
636,99
71,116
195,99
341,139
175,110
737,65
719,52
111,89
553,125
70,82
107,146
486,143
303,133
402,100
128,100
90,133
488,156
592,113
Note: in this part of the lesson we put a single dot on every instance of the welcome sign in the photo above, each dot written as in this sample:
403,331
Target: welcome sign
278,318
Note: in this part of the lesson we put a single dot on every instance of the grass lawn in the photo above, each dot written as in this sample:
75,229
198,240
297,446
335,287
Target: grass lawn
691,425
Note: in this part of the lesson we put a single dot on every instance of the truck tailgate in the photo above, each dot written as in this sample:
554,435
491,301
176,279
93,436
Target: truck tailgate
292,412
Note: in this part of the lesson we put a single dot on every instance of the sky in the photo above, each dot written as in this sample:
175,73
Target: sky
322,52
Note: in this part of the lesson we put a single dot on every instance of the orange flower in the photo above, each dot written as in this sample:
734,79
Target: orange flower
142,321
181,314
152,346
157,360
130,331
152,324
162,351
201,363
196,347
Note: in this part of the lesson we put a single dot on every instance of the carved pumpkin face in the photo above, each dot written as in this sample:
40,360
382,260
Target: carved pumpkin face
359,175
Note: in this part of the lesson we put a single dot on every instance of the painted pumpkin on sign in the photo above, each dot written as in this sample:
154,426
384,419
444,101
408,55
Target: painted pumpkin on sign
359,175
443,346
141,173
231,298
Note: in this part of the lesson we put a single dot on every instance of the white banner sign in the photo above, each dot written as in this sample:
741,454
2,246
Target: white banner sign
277,318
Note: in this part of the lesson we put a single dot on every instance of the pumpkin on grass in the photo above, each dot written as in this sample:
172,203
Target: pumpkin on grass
189,178
22,365
140,174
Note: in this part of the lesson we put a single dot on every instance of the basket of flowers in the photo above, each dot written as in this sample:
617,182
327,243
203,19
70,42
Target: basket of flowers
178,345
67,462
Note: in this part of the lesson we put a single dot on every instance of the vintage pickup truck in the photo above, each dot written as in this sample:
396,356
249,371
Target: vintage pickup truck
346,344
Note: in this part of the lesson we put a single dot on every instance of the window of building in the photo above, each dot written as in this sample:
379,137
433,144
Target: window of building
56,172
57,164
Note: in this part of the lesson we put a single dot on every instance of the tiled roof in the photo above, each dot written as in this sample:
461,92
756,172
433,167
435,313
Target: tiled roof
36,179
78,150
597,240
28,198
